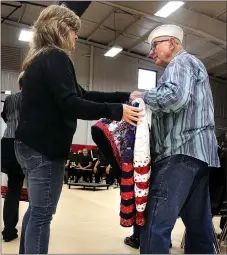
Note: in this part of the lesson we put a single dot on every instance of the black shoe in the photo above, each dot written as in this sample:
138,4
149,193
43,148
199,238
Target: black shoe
11,238
132,242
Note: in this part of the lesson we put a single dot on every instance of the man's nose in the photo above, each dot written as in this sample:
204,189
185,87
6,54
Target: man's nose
151,53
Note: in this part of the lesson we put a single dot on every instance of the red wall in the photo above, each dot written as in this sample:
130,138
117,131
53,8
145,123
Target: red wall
76,147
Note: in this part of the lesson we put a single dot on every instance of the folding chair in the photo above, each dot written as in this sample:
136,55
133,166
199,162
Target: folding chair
216,243
223,213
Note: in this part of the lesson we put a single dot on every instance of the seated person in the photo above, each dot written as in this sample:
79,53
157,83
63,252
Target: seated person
98,169
67,167
85,162
109,178
74,160
80,152
66,175
100,163
95,153
73,165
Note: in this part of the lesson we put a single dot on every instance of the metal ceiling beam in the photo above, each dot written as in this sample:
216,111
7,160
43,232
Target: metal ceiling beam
14,10
211,53
101,23
10,5
216,64
141,40
197,44
219,14
192,28
33,3
221,73
83,41
122,32
133,55
101,46
13,22
217,79
22,13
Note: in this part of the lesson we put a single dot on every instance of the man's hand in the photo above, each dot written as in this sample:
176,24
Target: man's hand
95,170
134,95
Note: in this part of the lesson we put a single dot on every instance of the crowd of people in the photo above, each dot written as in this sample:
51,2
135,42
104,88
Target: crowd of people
50,103
83,165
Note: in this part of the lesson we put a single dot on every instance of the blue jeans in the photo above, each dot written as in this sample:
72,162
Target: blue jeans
44,183
179,186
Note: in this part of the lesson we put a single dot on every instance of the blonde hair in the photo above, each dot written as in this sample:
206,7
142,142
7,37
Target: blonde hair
52,30
19,79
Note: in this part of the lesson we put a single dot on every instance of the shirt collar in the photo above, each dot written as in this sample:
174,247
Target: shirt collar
178,54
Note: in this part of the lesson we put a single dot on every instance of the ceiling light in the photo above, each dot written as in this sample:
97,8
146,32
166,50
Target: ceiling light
25,35
169,8
113,52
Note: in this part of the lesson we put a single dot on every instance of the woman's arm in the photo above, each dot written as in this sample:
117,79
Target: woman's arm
105,97
60,77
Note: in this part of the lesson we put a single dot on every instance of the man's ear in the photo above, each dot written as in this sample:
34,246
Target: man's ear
173,43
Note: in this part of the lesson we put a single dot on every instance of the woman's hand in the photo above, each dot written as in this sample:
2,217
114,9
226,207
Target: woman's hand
132,114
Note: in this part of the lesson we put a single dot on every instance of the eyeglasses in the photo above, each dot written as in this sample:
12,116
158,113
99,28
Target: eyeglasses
154,45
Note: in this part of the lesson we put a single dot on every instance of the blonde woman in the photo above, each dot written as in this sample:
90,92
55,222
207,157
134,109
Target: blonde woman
52,102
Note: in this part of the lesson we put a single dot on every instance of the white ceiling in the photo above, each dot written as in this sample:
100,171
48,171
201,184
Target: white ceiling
128,24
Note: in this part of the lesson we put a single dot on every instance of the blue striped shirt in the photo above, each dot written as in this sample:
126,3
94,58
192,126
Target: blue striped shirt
183,111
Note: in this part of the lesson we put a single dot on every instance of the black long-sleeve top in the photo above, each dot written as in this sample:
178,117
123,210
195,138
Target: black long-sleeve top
52,101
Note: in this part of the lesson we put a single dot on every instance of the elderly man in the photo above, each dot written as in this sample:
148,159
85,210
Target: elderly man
185,143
